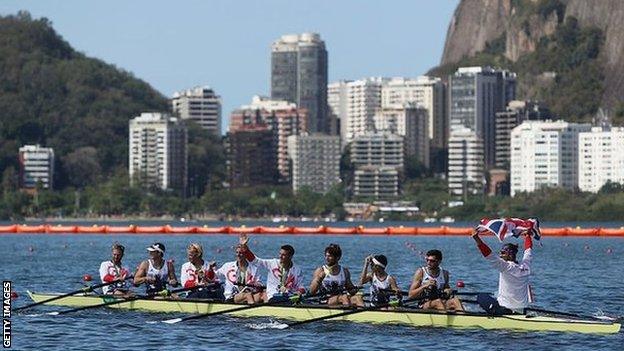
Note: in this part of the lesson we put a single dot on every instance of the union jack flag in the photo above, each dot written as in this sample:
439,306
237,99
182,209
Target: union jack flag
507,227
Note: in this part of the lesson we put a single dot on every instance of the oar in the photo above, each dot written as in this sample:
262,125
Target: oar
122,300
293,299
338,315
85,290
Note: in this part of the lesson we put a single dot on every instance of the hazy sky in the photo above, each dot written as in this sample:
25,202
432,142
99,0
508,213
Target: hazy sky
225,44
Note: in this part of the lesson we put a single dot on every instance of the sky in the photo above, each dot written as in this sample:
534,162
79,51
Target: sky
225,44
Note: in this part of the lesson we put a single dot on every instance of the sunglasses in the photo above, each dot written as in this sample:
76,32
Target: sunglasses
431,260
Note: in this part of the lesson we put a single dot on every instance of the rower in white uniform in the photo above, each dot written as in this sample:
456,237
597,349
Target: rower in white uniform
154,272
113,270
284,278
197,273
431,285
335,280
242,282
382,284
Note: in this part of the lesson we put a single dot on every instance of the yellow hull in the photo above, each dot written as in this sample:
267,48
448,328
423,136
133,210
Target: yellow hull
416,318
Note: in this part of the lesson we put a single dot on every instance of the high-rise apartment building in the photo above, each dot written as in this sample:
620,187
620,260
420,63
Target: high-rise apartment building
374,182
465,163
315,161
515,113
251,158
409,121
475,95
428,92
601,158
283,118
201,105
158,152
36,167
378,159
299,75
545,154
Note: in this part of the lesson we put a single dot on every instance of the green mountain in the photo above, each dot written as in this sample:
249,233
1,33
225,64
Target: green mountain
52,95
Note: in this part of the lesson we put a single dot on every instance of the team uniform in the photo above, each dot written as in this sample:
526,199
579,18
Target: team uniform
514,291
441,282
237,280
161,276
110,272
278,277
191,277
378,290
333,284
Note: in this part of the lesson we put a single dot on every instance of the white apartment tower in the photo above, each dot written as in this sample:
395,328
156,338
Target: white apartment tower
315,161
425,91
201,105
378,159
545,154
36,167
465,163
158,151
409,121
601,158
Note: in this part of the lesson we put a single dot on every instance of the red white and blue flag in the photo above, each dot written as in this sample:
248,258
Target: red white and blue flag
510,227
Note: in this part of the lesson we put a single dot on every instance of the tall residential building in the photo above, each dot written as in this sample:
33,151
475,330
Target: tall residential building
466,163
299,75
515,113
158,151
282,117
409,121
545,154
199,104
379,183
428,92
378,159
251,158
36,167
601,158
475,95
337,104
315,161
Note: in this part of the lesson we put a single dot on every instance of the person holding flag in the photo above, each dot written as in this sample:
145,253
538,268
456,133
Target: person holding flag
514,292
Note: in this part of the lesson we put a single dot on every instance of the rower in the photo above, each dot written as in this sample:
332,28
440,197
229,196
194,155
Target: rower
154,272
514,291
196,272
382,284
114,270
431,285
284,278
242,283
335,280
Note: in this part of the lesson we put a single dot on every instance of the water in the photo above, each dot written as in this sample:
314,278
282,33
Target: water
580,275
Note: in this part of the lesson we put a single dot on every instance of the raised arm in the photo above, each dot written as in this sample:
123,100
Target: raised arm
365,277
485,250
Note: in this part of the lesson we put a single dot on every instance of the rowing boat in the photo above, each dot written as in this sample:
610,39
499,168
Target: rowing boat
404,316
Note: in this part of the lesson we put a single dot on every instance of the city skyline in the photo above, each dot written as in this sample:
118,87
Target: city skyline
406,39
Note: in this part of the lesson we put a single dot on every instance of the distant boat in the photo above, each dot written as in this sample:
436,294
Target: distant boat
430,220
447,219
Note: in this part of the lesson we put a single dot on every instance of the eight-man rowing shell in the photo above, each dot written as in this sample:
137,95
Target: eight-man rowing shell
405,316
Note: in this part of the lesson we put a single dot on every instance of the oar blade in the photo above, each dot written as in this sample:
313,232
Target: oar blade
172,321
271,325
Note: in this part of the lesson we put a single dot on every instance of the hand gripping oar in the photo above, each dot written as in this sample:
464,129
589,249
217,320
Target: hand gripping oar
86,289
293,299
163,293
342,314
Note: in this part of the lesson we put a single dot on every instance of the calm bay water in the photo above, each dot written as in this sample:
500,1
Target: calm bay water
572,274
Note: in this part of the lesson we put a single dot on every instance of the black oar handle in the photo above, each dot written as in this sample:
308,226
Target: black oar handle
83,290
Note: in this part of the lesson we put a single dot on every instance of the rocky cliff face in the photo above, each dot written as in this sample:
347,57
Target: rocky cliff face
524,22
